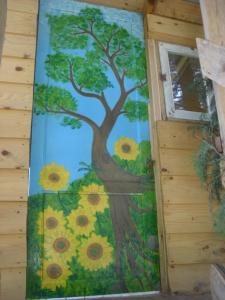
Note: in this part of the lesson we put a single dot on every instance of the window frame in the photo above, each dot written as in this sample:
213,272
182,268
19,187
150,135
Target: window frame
171,112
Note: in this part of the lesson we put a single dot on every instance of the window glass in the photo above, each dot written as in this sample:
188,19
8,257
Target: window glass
188,86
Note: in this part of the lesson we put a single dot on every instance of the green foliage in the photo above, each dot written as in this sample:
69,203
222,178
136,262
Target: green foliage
52,98
136,110
208,161
73,123
90,30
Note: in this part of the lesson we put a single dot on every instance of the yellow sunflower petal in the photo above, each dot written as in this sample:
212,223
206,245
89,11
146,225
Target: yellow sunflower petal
54,274
60,246
93,198
54,177
95,253
81,221
50,220
126,148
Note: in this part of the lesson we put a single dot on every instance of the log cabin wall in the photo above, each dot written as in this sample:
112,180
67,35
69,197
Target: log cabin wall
187,240
16,94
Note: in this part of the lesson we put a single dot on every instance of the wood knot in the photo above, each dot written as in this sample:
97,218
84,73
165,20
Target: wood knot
164,170
18,68
5,153
26,55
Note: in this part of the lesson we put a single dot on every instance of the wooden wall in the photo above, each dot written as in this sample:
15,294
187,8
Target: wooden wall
187,240
16,94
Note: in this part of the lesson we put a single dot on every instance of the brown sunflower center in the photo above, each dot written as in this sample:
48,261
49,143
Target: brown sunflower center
82,221
54,271
94,199
54,177
61,245
51,223
126,148
95,251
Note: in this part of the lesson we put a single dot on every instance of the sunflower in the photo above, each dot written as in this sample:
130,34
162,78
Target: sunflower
126,148
53,275
81,221
54,177
95,253
60,246
94,198
50,220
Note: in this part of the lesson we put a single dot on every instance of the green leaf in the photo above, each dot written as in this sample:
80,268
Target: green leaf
136,110
73,123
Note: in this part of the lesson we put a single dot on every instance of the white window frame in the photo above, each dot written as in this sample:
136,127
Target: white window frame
164,49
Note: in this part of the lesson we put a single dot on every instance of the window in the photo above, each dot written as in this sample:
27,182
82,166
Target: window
184,87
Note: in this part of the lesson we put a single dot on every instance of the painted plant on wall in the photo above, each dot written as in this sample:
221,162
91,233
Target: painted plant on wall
96,234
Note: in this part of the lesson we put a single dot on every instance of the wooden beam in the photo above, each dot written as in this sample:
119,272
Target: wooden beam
179,10
3,13
173,31
212,59
213,13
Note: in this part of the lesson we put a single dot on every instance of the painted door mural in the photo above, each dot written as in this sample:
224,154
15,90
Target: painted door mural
92,212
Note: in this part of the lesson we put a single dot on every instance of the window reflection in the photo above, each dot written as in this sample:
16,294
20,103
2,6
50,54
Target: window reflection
189,91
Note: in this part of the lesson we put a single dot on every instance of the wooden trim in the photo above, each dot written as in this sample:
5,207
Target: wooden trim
173,31
212,59
3,14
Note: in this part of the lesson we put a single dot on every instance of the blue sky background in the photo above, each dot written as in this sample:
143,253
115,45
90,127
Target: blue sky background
51,142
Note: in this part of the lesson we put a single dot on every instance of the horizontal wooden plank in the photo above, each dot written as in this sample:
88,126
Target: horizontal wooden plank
15,124
13,251
183,190
19,46
195,248
178,135
179,9
189,278
13,284
14,153
212,59
29,6
13,217
188,218
173,31
13,185
133,5
21,23
16,96
177,162
17,70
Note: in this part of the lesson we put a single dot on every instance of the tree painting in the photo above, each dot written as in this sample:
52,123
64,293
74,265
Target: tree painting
96,235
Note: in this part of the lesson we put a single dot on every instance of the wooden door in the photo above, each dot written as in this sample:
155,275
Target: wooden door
92,212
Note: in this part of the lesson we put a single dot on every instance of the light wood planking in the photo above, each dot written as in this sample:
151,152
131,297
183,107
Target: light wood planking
179,9
14,153
178,135
189,278
13,217
19,46
13,185
12,284
177,162
21,23
183,190
13,251
15,124
16,96
17,70
29,6
186,218
191,248
173,31
212,59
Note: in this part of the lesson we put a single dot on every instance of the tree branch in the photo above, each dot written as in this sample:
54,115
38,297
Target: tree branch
64,111
101,98
136,87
